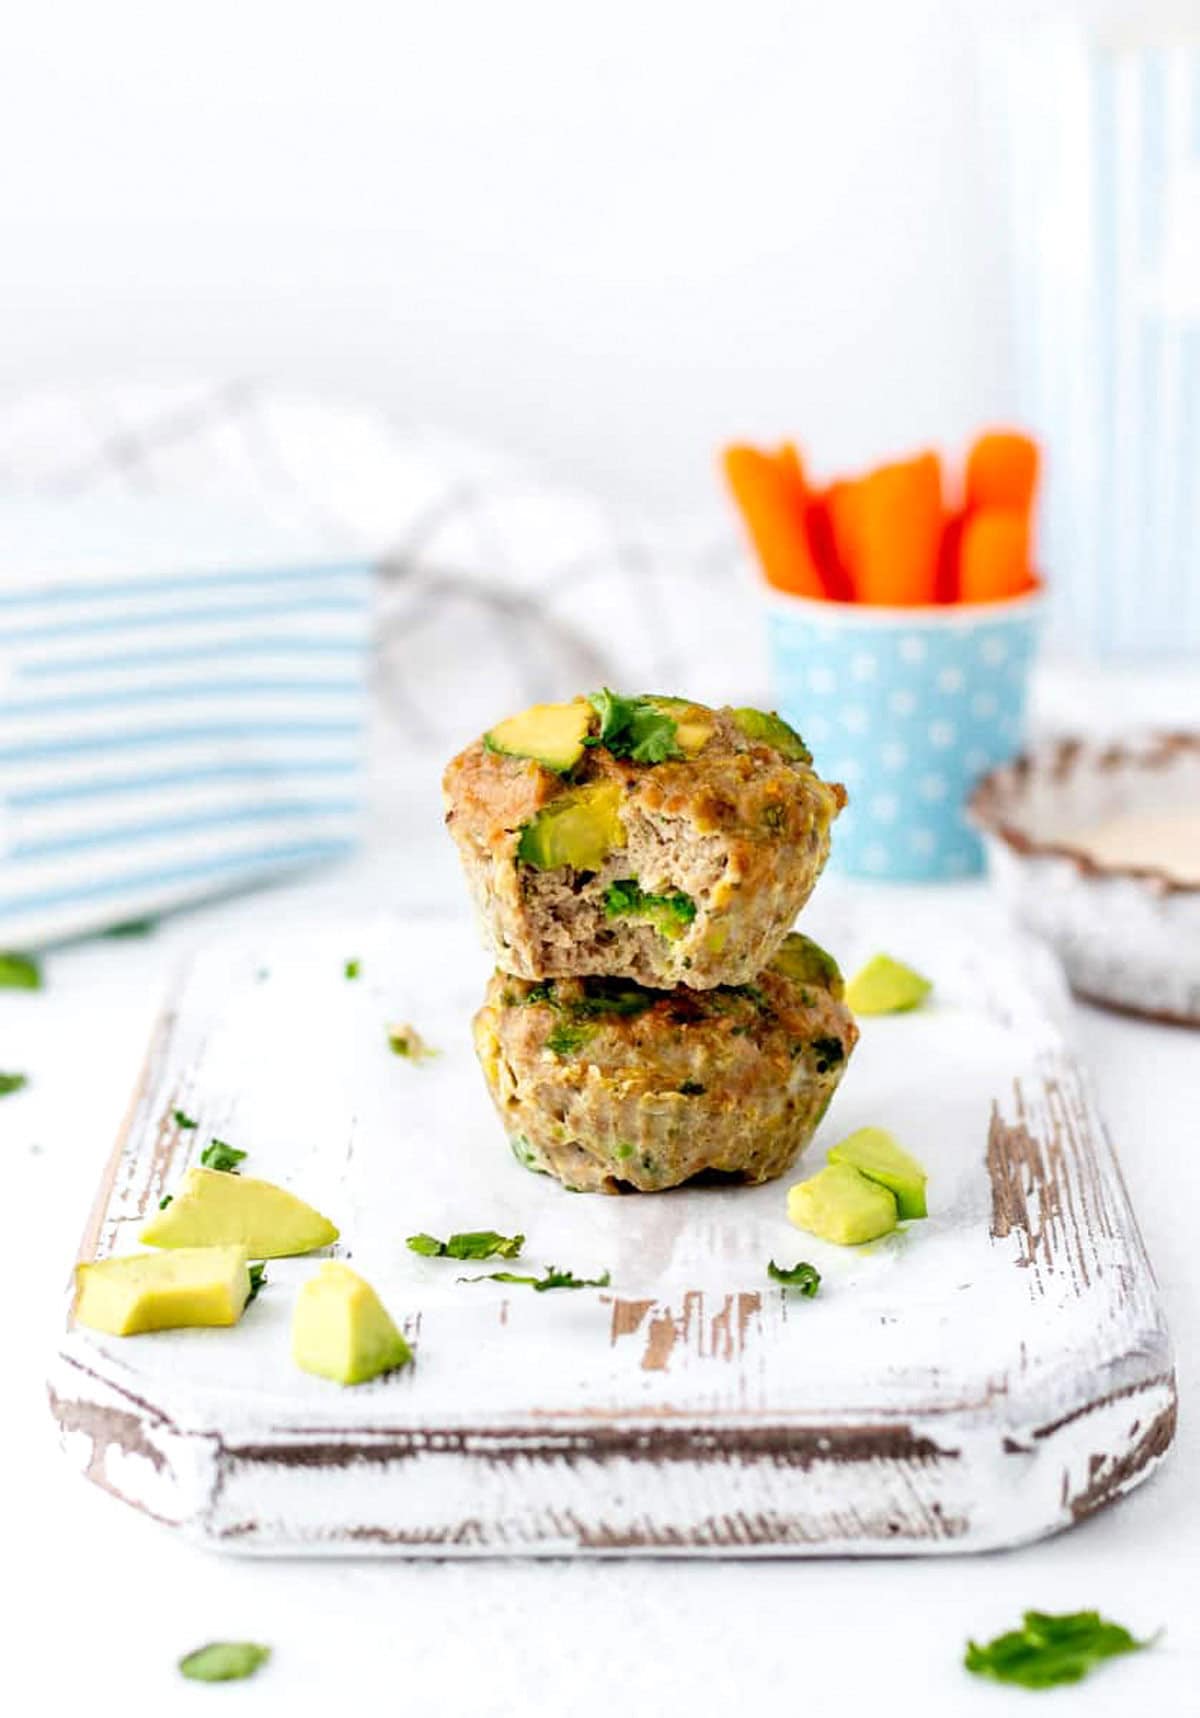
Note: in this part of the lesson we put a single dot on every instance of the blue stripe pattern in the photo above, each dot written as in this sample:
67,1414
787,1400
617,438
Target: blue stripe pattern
146,760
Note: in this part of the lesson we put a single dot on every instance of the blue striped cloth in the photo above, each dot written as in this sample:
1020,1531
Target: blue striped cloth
168,734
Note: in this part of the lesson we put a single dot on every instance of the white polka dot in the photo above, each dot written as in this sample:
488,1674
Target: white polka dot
976,761
821,679
921,840
894,754
942,734
912,648
983,704
994,649
849,770
932,786
875,857
902,702
885,808
863,666
855,719
817,728
950,680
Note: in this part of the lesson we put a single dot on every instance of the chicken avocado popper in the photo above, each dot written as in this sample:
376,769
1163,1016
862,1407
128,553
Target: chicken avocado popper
646,838
614,1087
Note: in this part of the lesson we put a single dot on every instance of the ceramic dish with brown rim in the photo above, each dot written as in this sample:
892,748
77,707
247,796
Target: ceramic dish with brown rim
1095,846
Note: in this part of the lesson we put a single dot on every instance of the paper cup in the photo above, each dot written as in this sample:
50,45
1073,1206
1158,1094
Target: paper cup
908,707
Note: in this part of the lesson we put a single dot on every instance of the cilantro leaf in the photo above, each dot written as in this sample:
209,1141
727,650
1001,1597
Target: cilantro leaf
632,728
19,972
352,968
807,1278
473,1244
218,1155
182,1120
552,1279
258,1281
224,1661
12,1083
670,913
1049,1650
166,1200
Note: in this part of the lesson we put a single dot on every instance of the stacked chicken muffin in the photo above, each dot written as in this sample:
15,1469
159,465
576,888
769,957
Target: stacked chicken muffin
636,864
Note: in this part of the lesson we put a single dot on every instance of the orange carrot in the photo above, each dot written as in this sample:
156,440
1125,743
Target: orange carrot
898,532
770,491
995,555
947,579
1002,471
844,499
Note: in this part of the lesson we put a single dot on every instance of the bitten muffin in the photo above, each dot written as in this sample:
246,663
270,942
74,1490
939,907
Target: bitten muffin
613,1087
644,838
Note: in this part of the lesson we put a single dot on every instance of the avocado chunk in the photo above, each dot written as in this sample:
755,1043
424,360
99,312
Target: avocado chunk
886,986
694,724
806,962
765,728
551,734
580,828
875,1154
216,1209
841,1205
342,1330
163,1291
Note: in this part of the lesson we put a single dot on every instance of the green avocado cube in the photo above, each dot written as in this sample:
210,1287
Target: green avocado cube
580,828
839,1204
551,734
886,986
341,1329
874,1153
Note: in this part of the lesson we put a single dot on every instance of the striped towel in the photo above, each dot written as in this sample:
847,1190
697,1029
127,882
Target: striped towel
173,722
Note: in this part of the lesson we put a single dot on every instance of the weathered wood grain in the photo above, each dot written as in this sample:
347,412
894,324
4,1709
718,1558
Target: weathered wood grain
988,1376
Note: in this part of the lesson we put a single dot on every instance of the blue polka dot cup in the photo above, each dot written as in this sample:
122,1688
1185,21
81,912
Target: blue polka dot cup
908,707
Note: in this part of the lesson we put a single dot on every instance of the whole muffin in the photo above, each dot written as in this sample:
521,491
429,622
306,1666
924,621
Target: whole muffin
613,1087
646,838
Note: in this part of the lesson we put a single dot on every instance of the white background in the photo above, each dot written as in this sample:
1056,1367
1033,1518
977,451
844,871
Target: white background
611,236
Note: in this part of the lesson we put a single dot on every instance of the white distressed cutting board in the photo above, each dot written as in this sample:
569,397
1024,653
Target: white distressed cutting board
979,1379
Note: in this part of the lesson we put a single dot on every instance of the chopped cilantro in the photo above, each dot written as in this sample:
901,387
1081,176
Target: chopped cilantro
807,1278
352,968
670,913
165,1201
552,1279
474,1244
258,1280
632,728
19,972
132,928
543,991
565,1040
525,1154
224,1661
12,1083
182,1120
1048,1650
218,1155
828,1052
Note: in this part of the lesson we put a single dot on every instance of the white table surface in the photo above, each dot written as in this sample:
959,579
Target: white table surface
103,1601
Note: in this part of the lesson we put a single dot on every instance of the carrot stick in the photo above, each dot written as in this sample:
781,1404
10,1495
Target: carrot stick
770,492
1002,471
822,541
899,529
994,562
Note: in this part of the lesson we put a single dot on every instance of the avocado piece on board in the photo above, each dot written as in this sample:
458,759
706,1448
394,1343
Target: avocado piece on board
215,1209
765,728
886,986
580,828
839,1204
551,734
162,1291
874,1153
807,962
342,1330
